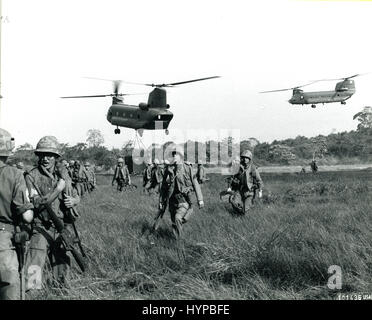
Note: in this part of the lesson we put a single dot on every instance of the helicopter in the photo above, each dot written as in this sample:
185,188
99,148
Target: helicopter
150,116
343,91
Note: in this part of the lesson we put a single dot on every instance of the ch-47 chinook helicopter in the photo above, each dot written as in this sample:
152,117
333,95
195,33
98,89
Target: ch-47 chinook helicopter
150,116
343,91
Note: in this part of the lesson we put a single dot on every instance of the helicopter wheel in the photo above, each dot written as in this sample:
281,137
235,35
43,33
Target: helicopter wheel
313,106
343,102
166,131
117,131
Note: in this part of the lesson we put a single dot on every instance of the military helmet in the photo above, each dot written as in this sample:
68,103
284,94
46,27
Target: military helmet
156,161
246,154
166,162
72,162
6,143
86,163
120,160
48,144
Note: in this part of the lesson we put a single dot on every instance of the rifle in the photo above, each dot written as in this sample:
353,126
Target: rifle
65,236
20,238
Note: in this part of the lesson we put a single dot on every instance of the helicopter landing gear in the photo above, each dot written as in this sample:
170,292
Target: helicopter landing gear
117,131
166,131
343,102
313,106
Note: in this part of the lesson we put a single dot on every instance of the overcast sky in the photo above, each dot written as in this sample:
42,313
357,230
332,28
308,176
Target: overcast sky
49,46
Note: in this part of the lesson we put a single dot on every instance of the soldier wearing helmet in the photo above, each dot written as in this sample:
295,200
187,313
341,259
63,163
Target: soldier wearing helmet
15,210
200,174
245,184
79,178
46,185
178,183
146,176
92,182
156,176
121,175
20,165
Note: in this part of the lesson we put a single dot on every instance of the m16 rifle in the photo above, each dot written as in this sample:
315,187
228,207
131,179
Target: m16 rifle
66,238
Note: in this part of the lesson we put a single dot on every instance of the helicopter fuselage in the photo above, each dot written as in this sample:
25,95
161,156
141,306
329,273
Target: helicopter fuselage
343,91
135,117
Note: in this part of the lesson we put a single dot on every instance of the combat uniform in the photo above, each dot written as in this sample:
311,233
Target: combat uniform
177,186
121,176
13,202
79,178
200,174
41,183
156,178
91,179
147,176
245,183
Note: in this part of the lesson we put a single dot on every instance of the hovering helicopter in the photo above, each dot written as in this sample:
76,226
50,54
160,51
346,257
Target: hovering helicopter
343,91
145,115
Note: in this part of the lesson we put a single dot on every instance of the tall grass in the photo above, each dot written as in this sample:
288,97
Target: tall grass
281,250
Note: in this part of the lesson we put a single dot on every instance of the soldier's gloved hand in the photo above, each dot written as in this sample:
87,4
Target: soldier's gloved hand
201,204
260,194
228,189
70,201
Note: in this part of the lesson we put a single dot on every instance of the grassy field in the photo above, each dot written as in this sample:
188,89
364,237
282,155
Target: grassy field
281,250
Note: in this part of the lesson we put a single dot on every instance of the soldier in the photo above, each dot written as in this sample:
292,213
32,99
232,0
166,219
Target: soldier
70,167
92,182
46,186
200,174
245,184
121,175
314,166
79,178
15,209
156,178
178,183
147,176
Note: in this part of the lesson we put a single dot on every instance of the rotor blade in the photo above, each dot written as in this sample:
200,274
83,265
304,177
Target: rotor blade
353,76
304,85
183,82
96,96
105,95
276,90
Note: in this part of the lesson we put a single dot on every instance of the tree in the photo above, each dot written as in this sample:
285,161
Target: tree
365,118
23,147
281,153
95,138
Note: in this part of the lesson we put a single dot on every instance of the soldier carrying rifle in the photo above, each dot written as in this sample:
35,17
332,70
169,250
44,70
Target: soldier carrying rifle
15,210
54,201
178,183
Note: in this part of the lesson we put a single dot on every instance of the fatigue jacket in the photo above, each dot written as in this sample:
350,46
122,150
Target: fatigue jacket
91,176
247,180
156,174
179,179
147,173
200,174
13,194
121,174
47,182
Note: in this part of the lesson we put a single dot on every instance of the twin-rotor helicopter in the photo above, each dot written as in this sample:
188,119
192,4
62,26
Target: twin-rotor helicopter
343,91
150,116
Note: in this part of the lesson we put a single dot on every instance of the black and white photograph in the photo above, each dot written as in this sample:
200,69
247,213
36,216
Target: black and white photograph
201,152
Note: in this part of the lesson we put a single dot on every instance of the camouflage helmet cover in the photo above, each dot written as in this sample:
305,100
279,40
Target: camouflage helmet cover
48,144
6,143
246,154
120,160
